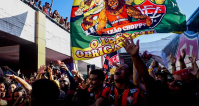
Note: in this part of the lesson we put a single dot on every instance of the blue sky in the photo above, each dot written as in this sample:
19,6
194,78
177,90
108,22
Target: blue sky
186,6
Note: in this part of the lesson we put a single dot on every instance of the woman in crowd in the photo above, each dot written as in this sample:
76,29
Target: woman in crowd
56,16
50,12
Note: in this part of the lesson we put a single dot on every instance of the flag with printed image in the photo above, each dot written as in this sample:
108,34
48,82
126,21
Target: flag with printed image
98,27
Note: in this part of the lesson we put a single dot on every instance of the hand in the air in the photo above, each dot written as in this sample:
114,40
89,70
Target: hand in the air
41,69
63,66
193,58
130,47
11,76
182,57
172,59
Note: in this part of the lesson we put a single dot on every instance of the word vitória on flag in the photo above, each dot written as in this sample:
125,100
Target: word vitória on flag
99,26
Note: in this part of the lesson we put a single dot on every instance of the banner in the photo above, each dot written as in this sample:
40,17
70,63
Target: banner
99,26
110,61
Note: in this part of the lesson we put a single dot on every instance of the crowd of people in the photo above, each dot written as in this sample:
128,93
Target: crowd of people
142,86
47,9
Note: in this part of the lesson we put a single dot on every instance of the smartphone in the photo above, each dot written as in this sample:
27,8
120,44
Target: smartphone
59,62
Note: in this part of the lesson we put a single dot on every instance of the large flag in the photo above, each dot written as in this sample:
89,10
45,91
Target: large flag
99,26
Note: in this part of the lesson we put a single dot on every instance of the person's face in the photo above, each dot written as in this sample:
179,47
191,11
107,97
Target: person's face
94,82
88,2
32,79
111,79
2,87
121,74
17,95
174,88
40,2
113,3
63,82
12,87
56,12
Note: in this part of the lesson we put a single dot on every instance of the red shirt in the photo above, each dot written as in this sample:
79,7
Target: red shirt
130,96
120,19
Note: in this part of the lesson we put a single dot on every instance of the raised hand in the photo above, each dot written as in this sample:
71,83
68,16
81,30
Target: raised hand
74,72
11,76
130,47
64,67
50,70
41,69
193,58
182,57
172,59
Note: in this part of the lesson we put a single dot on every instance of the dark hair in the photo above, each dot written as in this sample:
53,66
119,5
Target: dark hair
4,85
18,89
45,92
99,73
32,76
14,84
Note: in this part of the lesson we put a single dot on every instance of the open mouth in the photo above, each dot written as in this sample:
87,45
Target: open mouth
113,6
117,73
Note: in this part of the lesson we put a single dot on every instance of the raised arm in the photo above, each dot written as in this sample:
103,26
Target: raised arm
51,3
151,69
173,63
194,65
70,76
41,72
102,21
133,50
50,73
22,82
181,60
137,79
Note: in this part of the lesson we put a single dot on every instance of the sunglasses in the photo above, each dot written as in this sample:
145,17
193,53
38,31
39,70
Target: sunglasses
63,81
178,83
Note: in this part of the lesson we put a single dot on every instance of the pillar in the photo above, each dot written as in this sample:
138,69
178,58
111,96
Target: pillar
32,56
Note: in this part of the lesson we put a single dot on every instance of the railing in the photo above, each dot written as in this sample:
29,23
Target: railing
36,9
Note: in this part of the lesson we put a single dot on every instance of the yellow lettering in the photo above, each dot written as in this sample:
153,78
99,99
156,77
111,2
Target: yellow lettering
119,39
108,49
79,53
111,40
94,44
95,53
87,54
117,47
126,35
104,41
101,51
150,32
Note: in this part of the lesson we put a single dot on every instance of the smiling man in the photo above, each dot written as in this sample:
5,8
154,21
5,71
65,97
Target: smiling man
97,78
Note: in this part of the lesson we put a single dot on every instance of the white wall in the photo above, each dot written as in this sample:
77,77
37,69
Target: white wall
57,38
18,19
97,61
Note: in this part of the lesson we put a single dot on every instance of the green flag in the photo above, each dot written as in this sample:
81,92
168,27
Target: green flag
99,26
